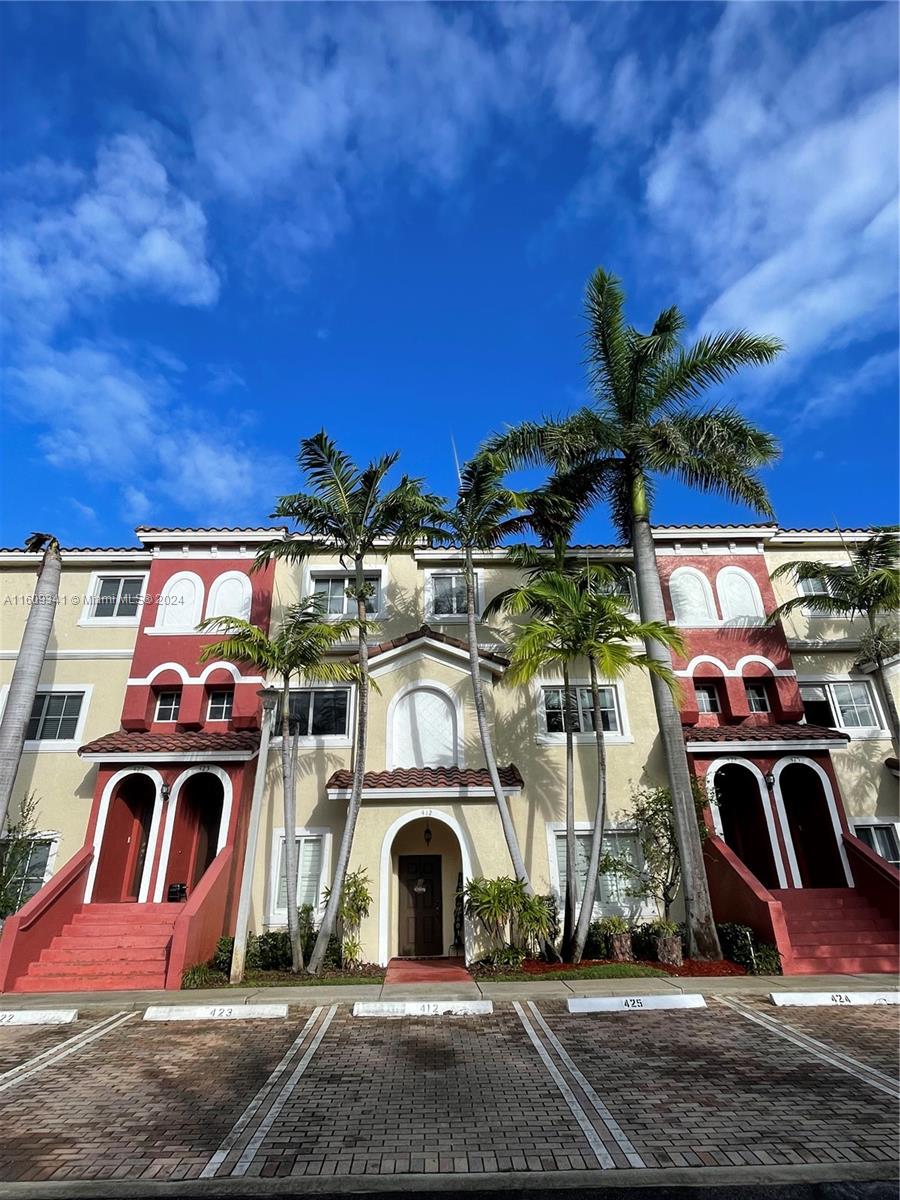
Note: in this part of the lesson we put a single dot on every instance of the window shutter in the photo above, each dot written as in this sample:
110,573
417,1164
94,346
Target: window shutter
310,872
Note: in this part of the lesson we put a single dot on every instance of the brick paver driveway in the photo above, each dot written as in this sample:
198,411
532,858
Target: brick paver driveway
530,1088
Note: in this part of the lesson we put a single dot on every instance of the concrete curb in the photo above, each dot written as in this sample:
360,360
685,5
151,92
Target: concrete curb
595,1183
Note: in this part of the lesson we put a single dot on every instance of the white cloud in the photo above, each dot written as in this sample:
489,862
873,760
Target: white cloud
842,394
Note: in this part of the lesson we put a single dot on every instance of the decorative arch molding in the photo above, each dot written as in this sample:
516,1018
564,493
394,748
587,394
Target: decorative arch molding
454,707
714,767
832,812
740,600
704,660
180,607
221,665
105,800
763,662
386,875
693,603
737,670
230,595
227,793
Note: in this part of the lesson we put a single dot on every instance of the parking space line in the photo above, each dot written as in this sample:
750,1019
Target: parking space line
600,1152
281,1099
231,1139
622,1140
821,1050
55,1054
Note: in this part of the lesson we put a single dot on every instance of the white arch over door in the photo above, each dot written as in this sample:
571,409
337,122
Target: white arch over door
714,767
105,800
386,874
179,783
424,726
832,812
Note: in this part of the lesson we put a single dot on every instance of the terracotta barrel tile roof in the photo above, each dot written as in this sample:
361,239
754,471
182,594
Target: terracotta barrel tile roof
429,777
188,742
762,733
426,631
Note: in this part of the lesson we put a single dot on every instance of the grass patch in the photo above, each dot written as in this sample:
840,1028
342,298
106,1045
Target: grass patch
606,971
289,979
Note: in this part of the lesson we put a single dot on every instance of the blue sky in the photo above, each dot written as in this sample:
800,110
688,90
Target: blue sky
228,226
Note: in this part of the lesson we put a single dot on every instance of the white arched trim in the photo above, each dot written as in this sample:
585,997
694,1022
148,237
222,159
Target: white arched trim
832,810
222,666
756,614
426,685
246,595
710,617
179,783
704,660
105,800
180,620
763,662
714,767
179,670
384,897
735,671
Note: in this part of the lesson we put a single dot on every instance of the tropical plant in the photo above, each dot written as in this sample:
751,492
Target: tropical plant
353,907
868,586
15,850
349,512
645,421
496,904
298,653
577,618
29,663
658,875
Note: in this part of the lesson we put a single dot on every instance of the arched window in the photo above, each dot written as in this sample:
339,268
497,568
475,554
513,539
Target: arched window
739,597
181,604
692,598
423,729
230,595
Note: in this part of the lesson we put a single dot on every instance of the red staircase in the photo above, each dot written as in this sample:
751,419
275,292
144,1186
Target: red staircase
837,931
106,947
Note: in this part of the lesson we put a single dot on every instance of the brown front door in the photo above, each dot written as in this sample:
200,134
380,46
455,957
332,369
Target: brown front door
421,931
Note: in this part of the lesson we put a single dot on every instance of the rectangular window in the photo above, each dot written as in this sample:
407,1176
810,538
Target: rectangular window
448,595
849,705
167,706
882,839
54,716
708,698
220,705
318,712
612,888
622,586
117,596
309,873
332,590
27,874
758,698
582,710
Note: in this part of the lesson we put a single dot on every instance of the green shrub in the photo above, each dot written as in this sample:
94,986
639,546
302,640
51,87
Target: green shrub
643,941
740,944
201,975
596,943
613,925
221,959
661,928
273,951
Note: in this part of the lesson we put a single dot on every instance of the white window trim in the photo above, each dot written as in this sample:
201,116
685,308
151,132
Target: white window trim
278,916
544,738
158,720
426,685
87,610
433,618
745,620
219,720
188,630
67,745
52,836
856,733
812,615
715,621
856,822
325,740
326,570
644,909
216,586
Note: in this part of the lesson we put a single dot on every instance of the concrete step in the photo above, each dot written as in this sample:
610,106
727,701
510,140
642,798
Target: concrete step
114,941
861,924
80,955
97,983
846,937
114,968
121,930
126,907
115,916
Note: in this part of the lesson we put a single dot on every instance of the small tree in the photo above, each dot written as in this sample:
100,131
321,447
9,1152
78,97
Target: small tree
658,875
15,849
353,907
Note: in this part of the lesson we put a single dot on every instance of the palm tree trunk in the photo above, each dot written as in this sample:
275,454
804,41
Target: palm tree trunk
290,828
571,898
590,882
887,696
354,804
27,673
702,938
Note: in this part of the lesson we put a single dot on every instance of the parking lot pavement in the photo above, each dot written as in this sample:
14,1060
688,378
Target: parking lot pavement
528,1089
20,1043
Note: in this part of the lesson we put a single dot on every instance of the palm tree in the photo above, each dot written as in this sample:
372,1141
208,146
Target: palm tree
578,618
29,662
868,586
349,513
645,422
298,651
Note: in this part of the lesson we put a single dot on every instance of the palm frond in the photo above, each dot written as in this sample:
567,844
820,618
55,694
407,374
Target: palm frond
608,357
711,360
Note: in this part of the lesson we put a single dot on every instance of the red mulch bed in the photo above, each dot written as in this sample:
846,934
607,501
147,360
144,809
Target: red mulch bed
690,966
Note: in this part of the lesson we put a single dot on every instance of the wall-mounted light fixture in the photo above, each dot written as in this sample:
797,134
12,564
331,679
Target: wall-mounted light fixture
770,779
165,792
428,835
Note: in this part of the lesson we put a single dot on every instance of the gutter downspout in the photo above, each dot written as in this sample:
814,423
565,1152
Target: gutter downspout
239,954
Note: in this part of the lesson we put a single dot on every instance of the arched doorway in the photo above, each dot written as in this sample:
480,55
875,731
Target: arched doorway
425,861
126,836
809,828
196,830
424,728
742,821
